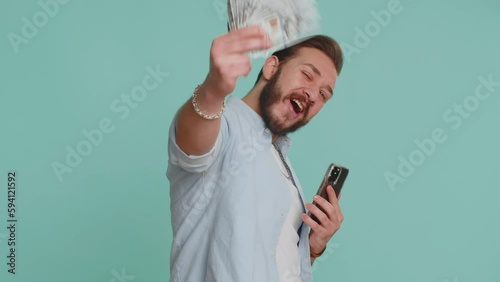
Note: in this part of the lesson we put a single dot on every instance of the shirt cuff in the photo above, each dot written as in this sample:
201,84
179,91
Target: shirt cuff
193,163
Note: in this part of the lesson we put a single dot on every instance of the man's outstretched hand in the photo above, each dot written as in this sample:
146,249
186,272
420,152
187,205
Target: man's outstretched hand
229,59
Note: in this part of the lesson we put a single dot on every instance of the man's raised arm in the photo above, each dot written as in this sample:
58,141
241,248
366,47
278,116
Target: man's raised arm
196,135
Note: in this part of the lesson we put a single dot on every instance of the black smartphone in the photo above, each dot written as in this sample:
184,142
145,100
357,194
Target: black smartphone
335,175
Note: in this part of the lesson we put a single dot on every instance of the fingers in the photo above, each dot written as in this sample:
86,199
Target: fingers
322,217
248,39
245,32
326,227
332,196
250,44
229,57
331,207
325,205
311,223
239,70
235,65
335,202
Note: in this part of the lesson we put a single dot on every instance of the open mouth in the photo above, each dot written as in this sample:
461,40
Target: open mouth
297,105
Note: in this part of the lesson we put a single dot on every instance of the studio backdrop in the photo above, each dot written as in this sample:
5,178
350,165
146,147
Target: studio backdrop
89,89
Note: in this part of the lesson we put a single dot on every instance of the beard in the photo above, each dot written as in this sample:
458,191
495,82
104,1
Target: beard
270,96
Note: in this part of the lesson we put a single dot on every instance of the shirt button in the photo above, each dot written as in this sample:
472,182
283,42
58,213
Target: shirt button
267,130
282,213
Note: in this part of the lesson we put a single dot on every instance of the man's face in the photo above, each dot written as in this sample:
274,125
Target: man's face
297,91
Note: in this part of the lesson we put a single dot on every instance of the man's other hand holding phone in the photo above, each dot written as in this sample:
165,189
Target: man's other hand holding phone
330,221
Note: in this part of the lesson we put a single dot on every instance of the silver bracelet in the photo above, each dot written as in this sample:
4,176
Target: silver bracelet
200,112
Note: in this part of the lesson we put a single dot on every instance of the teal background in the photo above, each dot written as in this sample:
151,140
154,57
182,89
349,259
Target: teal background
111,213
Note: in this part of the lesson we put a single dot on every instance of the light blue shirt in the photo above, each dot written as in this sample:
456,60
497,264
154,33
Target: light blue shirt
228,206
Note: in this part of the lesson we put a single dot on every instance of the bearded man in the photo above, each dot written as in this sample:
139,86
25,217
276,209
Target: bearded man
237,208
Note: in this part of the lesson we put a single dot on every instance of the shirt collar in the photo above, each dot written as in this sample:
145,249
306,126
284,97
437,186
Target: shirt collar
256,121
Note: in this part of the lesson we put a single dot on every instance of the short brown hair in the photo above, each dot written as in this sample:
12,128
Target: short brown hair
324,43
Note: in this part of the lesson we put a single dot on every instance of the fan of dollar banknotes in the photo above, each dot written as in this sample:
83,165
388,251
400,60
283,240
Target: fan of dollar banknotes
285,21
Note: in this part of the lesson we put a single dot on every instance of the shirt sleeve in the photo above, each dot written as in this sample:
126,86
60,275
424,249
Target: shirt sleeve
196,163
